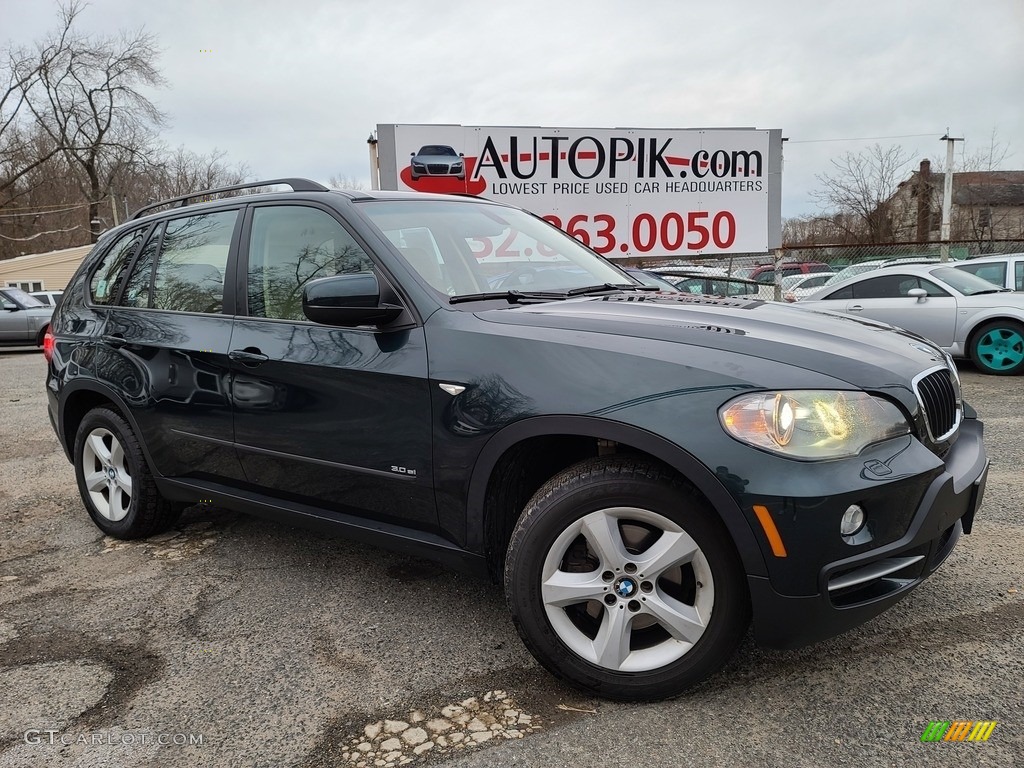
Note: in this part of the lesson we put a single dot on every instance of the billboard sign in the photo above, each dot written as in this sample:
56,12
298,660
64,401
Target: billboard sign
624,192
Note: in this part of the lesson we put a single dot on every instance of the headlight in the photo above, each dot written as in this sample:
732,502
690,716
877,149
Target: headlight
812,424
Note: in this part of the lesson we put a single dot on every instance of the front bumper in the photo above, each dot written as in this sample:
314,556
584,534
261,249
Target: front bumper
855,589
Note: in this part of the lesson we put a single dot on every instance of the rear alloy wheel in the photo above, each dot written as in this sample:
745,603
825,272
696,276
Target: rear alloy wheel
623,581
998,348
114,480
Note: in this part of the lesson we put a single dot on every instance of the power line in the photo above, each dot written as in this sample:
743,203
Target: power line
862,138
41,211
40,234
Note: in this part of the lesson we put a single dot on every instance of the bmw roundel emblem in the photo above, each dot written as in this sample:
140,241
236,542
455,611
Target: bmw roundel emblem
625,588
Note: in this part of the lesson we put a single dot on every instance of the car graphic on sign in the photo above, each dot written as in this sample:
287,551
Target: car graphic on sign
437,160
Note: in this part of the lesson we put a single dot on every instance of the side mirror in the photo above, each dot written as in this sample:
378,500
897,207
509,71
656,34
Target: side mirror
412,154
347,300
10,307
918,293
461,154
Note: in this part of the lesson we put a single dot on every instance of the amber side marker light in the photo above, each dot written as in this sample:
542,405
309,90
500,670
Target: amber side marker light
770,531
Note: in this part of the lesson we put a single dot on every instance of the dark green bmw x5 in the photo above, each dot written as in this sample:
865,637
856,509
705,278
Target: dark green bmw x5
645,472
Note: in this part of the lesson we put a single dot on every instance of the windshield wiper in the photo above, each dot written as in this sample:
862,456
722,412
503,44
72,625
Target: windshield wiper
608,287
513,297
992,290
521,297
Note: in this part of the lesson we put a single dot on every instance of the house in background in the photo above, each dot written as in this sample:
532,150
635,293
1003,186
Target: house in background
42,271
986,205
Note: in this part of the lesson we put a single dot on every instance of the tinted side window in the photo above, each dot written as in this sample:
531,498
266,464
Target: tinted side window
138,288
932,288
291,245
815,282
886,287
691,285
189,274
842,293
106,280
1018,276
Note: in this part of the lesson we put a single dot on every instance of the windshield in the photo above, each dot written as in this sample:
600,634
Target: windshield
465,247
437,149
966,283
24,299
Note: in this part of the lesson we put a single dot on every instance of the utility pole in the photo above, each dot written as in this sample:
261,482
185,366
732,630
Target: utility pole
374,162
947,195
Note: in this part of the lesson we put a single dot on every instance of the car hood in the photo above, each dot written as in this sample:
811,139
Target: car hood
866,354
437,159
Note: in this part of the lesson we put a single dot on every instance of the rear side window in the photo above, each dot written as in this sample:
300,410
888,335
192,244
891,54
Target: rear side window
189,274
842,293
1018,276
137,292
182,265
106,280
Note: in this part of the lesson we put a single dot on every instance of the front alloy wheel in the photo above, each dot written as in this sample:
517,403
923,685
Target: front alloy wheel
627,589
622,580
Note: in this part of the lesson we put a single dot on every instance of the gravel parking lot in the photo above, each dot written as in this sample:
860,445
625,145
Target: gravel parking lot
231,641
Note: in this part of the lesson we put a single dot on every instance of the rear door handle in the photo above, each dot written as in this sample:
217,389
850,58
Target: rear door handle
856,308
248,356
116,340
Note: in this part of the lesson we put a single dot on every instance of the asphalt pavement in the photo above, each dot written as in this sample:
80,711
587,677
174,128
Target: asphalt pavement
231,641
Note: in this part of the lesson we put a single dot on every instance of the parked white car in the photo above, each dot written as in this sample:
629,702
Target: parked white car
49,298
797,287
869,266
1006,271
962,313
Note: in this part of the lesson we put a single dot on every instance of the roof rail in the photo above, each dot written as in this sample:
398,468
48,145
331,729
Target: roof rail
297,185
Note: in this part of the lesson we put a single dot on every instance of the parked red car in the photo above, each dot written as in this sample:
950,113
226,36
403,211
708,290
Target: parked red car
765,273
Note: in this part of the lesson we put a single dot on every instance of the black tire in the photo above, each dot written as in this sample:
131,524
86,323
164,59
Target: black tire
144,512
997,348
637,496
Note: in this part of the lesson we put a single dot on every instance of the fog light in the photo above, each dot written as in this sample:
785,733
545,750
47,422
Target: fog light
853,520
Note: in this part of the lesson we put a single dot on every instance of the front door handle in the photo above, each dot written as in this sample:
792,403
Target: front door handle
116,340
248,356
856,308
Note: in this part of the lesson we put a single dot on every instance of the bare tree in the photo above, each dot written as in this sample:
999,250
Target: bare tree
172,173
20,71
344,181
860,188
90,102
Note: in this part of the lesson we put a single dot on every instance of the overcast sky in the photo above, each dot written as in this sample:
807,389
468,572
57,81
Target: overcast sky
294,88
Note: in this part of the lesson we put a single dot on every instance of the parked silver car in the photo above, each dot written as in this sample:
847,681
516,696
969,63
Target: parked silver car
962,313
23,318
